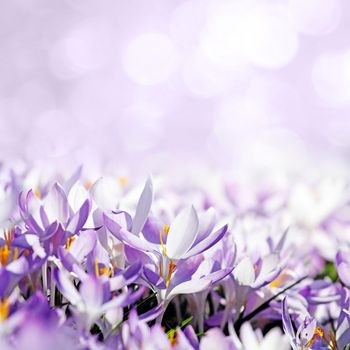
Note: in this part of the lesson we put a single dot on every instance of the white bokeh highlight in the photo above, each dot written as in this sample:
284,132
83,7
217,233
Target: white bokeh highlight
150,58
150,85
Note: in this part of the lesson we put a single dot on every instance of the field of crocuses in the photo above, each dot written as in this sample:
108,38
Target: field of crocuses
116,264
174,175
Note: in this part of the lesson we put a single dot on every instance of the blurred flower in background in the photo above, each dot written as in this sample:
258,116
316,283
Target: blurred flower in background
149,85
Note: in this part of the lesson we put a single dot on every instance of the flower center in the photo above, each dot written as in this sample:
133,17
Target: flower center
320,333
100,271
6,251
172,265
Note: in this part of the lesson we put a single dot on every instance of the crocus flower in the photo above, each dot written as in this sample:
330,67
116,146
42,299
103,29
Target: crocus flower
93,299
309,335
177,243
52,218
165,263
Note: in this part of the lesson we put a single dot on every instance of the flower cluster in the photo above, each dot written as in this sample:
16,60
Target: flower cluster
235,265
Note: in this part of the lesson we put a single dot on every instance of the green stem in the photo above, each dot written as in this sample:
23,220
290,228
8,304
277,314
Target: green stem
265,305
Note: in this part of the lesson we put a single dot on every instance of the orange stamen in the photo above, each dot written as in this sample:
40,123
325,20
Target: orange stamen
69,242
4,309
4,255
173,337
172,267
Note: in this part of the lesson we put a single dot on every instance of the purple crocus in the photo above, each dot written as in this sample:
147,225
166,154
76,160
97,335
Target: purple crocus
309,335
52,218
93,299
168,268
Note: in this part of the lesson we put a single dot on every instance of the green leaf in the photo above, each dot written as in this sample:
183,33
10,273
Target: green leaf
186,322
329,271
172,332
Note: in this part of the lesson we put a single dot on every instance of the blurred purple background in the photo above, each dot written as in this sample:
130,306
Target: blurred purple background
161,84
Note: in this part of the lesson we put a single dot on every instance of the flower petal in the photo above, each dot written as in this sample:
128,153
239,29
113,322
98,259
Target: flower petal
244,272
207,242
67,288
127,237
79,219
56,204
105,194
287,323
83,245
182,233
143,207
189,287
91,291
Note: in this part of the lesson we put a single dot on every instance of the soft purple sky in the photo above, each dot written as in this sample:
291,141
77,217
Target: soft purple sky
163,84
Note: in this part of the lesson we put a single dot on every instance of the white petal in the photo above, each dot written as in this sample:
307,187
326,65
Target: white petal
206,223
269,268
244,272
248,337
182,233
34,242
275,340
67,287
189,287
106,193
56,204
77,196
143,207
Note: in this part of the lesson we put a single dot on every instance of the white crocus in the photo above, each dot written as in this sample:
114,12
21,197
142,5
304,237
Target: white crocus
273,340
182,233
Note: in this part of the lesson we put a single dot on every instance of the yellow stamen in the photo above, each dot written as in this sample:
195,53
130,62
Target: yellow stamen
160,269
173,337
281,279
4,309
319,333
100,271
69,242
88,184
123,180
103,270
162,243
4,255
26,252
37,193
106,271
172,267
97,272
9,235
15,253
332,339
166,230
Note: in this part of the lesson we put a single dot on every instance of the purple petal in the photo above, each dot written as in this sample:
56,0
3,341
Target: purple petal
287,323
77,222
143,207
207,243
127,237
